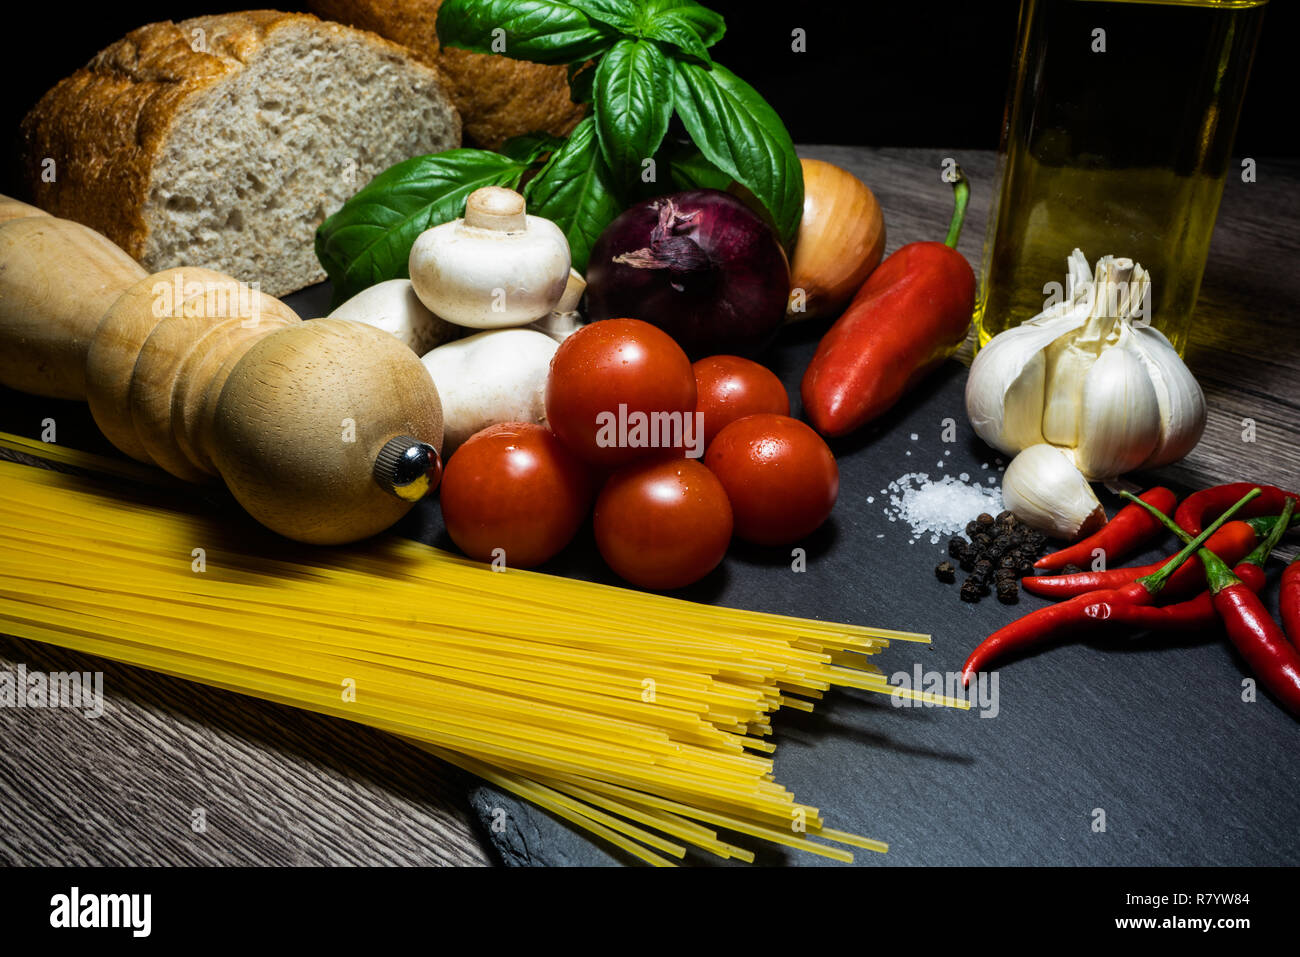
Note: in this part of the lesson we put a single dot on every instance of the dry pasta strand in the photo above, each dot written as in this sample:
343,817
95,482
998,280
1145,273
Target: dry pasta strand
637,717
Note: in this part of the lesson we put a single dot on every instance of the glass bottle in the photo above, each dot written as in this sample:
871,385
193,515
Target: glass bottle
1116,140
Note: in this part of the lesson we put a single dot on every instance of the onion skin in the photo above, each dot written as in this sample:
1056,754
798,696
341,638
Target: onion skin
841,239
700,265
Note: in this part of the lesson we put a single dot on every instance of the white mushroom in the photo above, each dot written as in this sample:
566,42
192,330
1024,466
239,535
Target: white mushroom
490,377
565,320
495,268
394,307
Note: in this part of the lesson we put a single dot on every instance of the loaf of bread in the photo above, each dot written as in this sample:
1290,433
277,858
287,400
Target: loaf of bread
497,97
224,141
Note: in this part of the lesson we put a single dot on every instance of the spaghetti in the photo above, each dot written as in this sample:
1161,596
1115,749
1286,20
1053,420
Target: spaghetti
640,718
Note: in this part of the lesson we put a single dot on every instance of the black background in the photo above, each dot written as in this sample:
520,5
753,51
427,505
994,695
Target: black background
875,74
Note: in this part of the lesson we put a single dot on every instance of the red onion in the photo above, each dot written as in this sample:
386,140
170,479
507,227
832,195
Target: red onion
700,265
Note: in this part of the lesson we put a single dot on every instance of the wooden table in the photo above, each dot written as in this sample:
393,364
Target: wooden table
272,785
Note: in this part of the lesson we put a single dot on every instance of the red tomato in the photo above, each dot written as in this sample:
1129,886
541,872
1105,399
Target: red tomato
515,487
780,477
729,388
611,383
663,523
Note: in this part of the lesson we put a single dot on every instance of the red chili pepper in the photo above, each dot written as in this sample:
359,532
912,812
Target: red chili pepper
1054,620
911,314
1290,601
1199,613
1126,533
1261,642
1196,614
1274,661
1198,507
1232,542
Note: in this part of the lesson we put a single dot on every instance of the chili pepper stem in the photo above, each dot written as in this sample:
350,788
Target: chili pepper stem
1263,524
1265,548
961,196
1154,582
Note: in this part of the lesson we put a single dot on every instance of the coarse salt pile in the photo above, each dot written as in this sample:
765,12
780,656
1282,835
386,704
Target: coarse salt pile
939,508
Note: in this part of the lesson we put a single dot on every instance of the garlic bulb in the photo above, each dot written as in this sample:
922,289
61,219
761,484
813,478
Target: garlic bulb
1088,377
1044,490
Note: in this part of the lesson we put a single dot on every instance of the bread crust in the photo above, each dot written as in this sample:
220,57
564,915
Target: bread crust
105,125
497,97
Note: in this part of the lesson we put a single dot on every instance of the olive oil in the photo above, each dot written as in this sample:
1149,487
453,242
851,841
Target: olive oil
1117,139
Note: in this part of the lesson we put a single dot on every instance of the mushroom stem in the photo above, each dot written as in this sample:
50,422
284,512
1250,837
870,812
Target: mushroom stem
495,207
573,291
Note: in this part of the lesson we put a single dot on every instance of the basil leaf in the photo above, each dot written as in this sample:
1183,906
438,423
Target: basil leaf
740,134
369,240
575,191
619,14
543,31
688,169
634,102
530,147
581,78
679,34
706,24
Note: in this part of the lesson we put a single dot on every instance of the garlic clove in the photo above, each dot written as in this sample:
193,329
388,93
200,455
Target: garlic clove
1182,403
1119,413
1004,391
1078,275
1044,490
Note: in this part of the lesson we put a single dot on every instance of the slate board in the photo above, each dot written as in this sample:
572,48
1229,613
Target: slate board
1152,732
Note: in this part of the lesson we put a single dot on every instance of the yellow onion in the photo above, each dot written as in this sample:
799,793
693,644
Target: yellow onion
841,239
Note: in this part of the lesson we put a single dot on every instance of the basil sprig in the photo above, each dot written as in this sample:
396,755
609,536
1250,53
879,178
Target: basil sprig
651,60
369,240
575,191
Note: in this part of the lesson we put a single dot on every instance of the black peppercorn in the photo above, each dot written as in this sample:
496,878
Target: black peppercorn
1008,592
957,547
945,572
970,591
985,519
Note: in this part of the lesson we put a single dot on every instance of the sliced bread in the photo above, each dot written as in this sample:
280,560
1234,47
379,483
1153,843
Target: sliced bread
224,141
497,97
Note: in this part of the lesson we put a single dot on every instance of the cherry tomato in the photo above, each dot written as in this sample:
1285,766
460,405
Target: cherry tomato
780,477
729,388
611,383
663,523
514,487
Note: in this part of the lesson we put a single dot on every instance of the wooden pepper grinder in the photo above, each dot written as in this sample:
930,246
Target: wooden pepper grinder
325,431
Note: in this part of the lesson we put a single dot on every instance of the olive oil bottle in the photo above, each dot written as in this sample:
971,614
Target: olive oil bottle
1116,140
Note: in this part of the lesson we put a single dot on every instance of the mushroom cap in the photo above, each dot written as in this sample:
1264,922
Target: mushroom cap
484,271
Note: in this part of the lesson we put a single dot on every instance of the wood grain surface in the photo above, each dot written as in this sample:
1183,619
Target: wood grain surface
281,787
